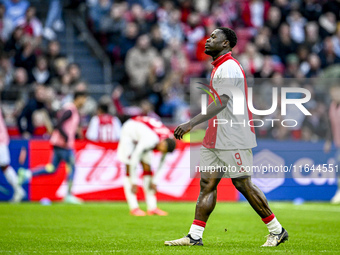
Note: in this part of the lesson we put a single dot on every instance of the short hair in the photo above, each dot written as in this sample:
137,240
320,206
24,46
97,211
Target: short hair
79,94
171,144
230,35
103,107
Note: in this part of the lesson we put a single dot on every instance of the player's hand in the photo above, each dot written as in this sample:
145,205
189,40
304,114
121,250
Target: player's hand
182,129
134,188
153,187
327,147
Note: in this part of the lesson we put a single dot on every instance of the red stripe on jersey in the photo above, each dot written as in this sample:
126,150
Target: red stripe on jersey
250,115
268,219
209,140
155,125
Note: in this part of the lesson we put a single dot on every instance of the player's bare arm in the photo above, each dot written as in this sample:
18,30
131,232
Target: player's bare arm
212,111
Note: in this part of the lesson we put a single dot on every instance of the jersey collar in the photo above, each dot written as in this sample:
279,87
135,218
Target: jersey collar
221,59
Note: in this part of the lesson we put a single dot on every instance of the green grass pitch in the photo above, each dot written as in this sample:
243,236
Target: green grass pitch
104,228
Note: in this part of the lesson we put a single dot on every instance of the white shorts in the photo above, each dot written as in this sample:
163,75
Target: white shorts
230,163
126,147
5,158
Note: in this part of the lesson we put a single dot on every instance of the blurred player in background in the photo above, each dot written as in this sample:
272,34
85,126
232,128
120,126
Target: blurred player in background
62,140
5,161
334,130
139,137
226,145
104,127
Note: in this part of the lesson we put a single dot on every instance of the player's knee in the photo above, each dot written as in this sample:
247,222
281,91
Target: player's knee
208,185
50,168
241,184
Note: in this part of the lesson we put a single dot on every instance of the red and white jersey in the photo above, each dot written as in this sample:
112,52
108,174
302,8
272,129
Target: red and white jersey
4,138
104,128
236,133
70,127
155,125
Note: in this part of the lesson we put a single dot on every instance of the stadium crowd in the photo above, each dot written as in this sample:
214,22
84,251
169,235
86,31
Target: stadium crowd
157,46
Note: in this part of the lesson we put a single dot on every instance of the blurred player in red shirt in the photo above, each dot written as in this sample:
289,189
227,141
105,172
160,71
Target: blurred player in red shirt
5,161
62,140
104,127
140,136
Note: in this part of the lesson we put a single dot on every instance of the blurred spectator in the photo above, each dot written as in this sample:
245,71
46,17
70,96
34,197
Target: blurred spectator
129,39
174,56
74,72
263,41
138,61
297,26
156,38
255,12
311,9
6,26
138,16
283,45
25,57
30,24
15,9
327,24
314,66
225,13
274,20
113,25
267,70
98,11
336,42
7,69
193,32
52,54
327,54
54,20
14,43
19,84
171,27
25,119
251,60
40,73
103,127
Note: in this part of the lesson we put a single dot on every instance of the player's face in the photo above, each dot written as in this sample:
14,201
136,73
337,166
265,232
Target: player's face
82,101
215,43
162,147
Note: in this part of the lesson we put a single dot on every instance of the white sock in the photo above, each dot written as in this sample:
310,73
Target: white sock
196,232
274,226
130,197
12,178
150,194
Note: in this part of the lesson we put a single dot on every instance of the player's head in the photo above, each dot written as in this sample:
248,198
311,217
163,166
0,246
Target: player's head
79,98
103,108
221,38
167,145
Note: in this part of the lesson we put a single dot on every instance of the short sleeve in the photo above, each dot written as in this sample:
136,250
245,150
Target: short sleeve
227,76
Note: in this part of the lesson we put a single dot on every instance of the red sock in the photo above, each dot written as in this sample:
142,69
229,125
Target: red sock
268,219
199,223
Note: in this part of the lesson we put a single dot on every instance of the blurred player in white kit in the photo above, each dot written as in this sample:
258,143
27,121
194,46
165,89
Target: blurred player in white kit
104,127
5,161
139,137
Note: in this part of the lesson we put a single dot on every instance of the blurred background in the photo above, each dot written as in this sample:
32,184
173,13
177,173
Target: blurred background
138,56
